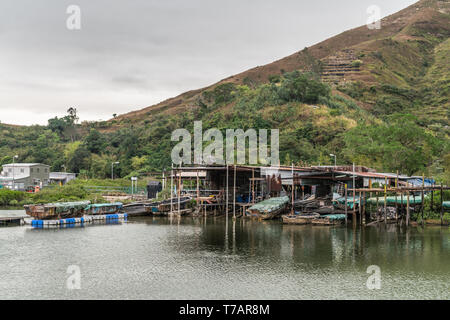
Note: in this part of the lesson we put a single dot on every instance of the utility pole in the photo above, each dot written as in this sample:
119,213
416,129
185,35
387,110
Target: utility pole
112,169
14,173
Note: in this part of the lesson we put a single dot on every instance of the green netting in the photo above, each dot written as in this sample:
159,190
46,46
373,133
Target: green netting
270,205
334,216
100,205
66,206
391,200
350,201
446,204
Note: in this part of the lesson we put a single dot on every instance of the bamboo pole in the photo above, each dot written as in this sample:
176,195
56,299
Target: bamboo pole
226,204
396,204
364,207
442,205
346,204
401,201
198,188
253,185
407,208
234,193
171,190
359,208
385,206
292,191
354,193
423,186
179,190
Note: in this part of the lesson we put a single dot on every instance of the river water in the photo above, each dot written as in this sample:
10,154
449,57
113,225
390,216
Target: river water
212,258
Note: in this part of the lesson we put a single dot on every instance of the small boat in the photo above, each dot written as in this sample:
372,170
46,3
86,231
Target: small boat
105,208
329,220
269,209
164,206
302,218
58,210
183,212
137,209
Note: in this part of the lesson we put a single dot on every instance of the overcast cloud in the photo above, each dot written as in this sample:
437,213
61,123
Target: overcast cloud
132,54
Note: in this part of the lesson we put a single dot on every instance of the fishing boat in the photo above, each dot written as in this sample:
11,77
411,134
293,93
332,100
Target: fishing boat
329,220
58,210
137,209
269,209
105,208
300,218
165,205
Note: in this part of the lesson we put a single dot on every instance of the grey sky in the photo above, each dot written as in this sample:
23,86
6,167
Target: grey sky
132,54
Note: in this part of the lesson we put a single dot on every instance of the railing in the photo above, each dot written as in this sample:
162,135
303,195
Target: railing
127,190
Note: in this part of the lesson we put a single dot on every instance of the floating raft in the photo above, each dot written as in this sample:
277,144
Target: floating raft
391,200
72,221
57,210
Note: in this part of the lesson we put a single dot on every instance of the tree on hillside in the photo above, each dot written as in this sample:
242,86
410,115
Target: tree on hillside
400,144
94,141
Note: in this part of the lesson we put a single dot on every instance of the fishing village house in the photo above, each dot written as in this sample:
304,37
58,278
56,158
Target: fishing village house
20,176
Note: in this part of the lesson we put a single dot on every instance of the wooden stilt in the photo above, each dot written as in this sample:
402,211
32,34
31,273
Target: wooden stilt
227,192
407,208
346,203
171,190
234,193
359,208
442,205
396,204
385,202
423,202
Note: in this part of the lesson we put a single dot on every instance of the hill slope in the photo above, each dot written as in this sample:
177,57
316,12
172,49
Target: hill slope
375,97
396,54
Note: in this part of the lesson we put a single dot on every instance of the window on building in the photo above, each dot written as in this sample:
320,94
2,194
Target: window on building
37,170
9,170
22,170
31,170
46,170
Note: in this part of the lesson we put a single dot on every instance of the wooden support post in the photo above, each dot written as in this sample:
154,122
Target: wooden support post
346,204
442,205
385,200
377,205
401,200
253,185
226,202
407,208
364,207
396,204
359,208
171,190
354,194
234,193
432,200
423,202
292,191
198,188
179,190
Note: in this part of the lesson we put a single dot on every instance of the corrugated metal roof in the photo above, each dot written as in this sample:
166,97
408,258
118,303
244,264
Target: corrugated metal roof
18,164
